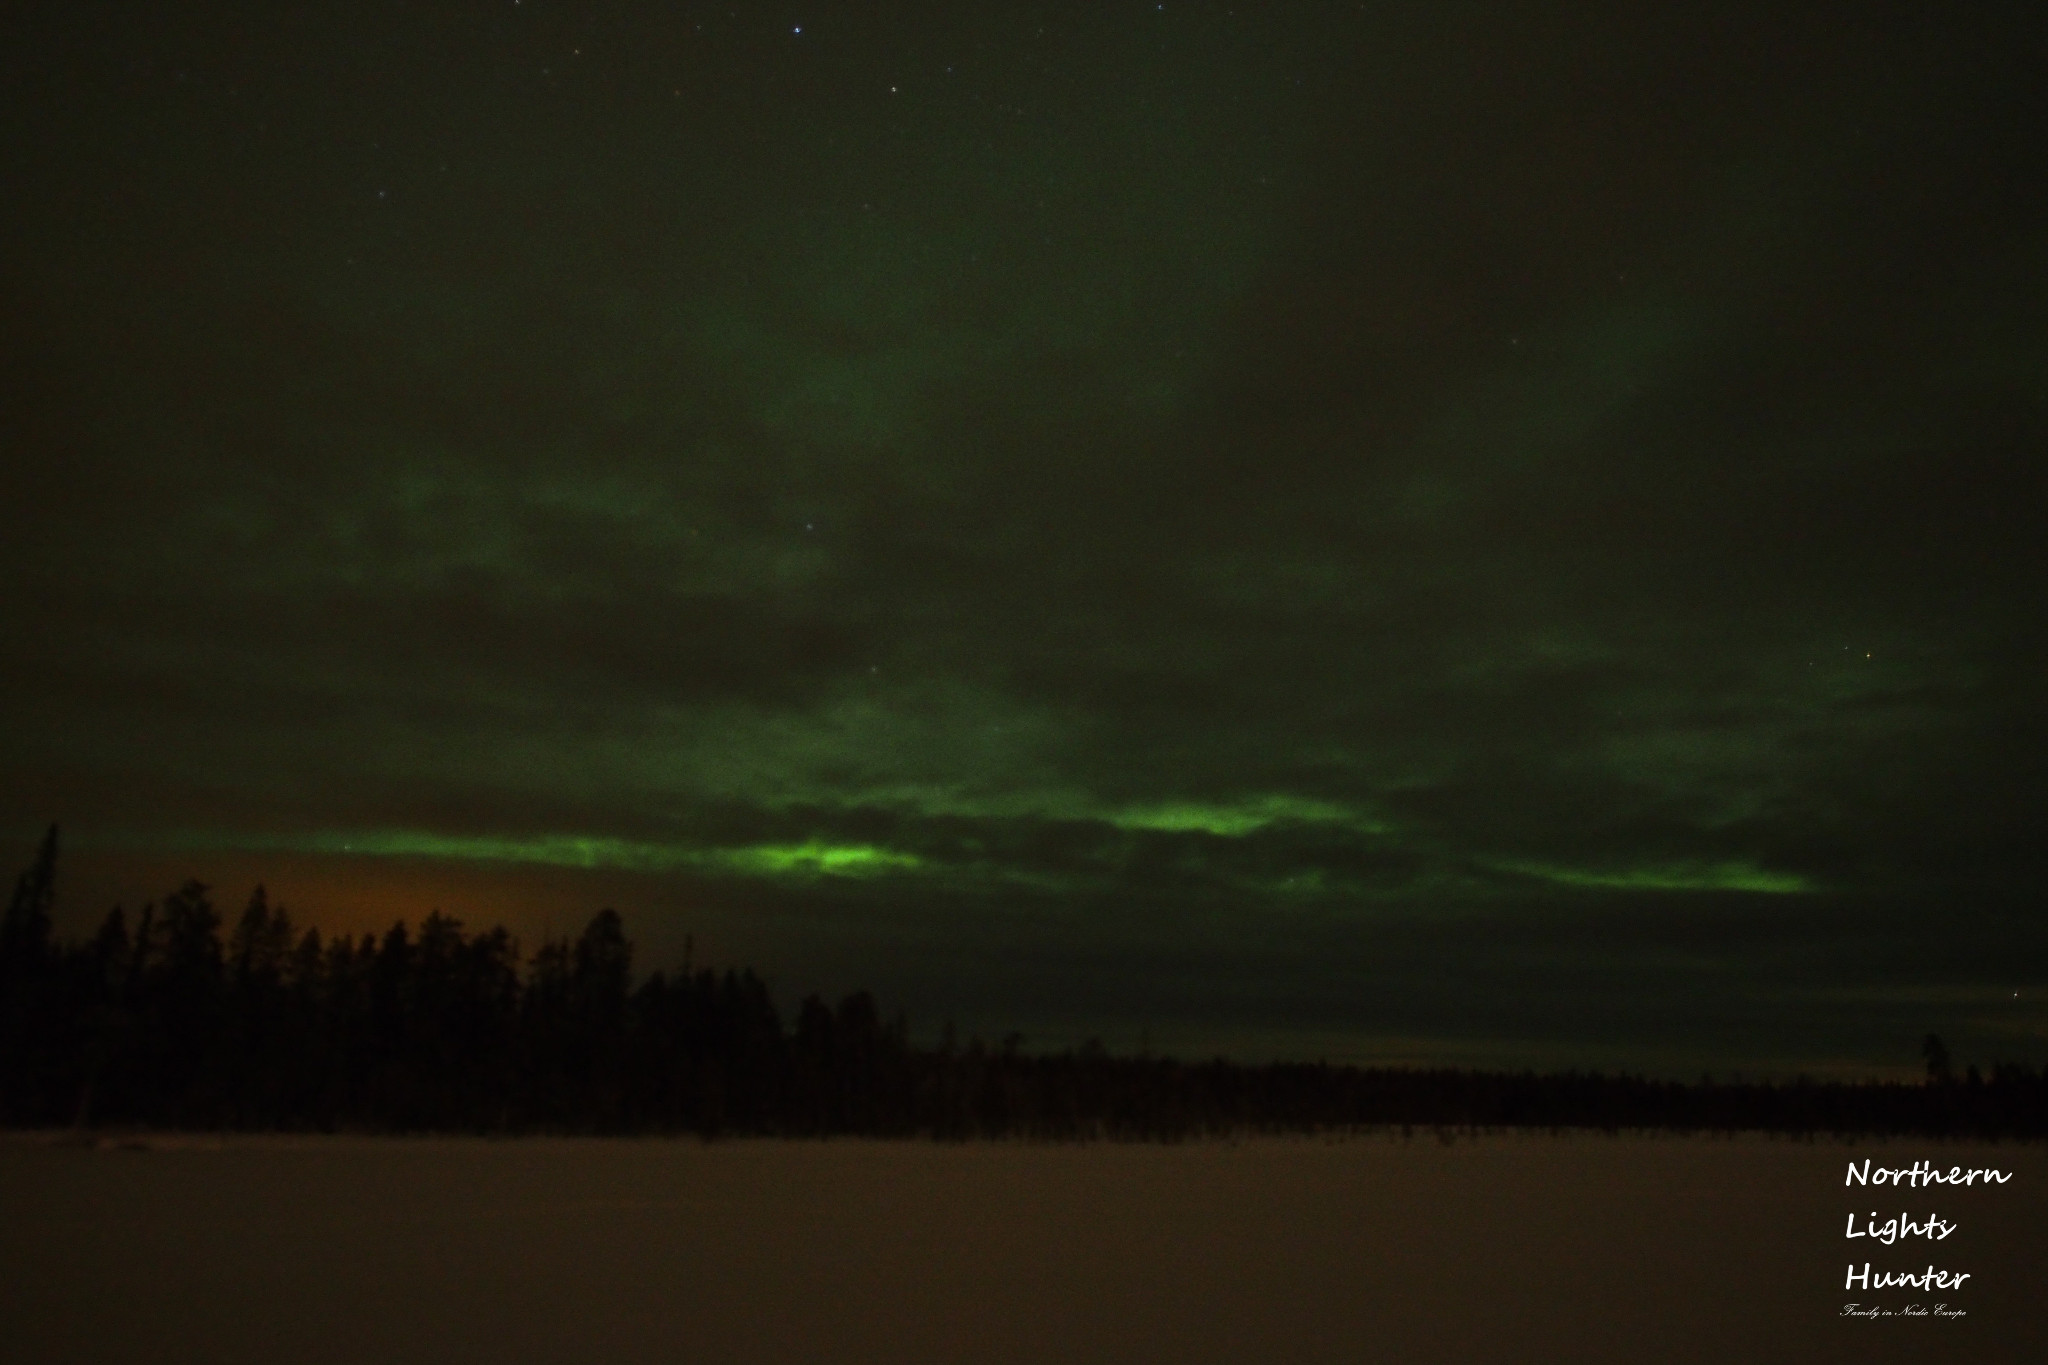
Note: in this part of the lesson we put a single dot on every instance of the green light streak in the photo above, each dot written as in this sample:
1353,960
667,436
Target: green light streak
815,858
806,860
552,850
1234,821
812,858
1726,876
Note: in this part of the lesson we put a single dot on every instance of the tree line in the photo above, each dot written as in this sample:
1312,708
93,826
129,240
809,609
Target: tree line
177,1020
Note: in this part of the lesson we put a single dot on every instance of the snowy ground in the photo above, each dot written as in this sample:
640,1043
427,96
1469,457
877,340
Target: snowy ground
1504,1248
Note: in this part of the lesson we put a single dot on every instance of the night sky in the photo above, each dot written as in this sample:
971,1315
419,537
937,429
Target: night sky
1491,534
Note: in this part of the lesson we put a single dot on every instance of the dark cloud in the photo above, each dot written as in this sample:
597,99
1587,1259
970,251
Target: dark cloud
1502,532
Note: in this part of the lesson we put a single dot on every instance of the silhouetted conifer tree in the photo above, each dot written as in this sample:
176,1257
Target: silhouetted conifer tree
25,930
1936,1054
439,1029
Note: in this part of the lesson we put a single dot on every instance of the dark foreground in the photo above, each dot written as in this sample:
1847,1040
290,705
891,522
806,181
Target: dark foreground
1512,1248
443,1031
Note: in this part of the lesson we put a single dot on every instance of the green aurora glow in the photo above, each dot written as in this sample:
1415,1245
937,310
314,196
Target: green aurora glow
1325,515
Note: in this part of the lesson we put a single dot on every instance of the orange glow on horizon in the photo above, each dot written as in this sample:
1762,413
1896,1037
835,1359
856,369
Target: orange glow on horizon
339,894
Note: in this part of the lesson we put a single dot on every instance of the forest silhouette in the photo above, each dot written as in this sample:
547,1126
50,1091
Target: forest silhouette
168,1022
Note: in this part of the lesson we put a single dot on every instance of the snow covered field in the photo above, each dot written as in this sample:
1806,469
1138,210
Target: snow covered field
1501,1248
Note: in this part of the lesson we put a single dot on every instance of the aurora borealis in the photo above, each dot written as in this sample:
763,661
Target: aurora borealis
1497,534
